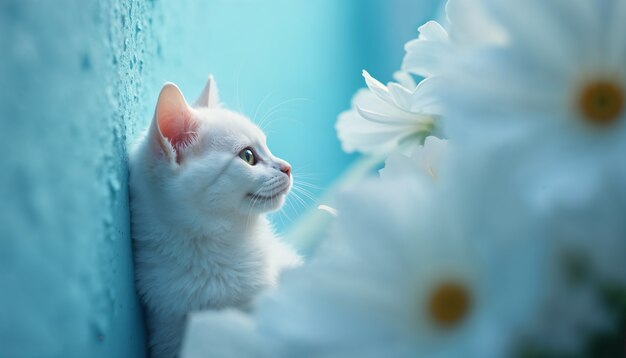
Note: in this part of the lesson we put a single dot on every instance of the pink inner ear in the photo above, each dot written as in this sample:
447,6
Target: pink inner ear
180,129
175,119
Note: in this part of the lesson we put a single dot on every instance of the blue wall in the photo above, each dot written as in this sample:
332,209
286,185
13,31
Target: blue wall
71,82
78,81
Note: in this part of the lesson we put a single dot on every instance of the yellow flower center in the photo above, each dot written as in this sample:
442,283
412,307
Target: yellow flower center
601,102
449,304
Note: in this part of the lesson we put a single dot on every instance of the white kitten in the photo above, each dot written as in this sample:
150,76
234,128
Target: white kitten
200,181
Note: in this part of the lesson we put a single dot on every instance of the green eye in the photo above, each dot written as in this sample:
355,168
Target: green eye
248,156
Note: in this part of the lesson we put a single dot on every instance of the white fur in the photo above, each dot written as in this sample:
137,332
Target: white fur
200,240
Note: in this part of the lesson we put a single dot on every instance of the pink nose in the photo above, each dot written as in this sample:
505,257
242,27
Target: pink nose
286,168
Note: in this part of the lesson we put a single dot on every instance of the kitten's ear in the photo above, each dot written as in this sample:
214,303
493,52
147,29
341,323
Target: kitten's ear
208,97
173,126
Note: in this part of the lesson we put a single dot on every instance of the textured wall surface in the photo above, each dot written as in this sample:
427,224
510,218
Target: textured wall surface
78,81
71,79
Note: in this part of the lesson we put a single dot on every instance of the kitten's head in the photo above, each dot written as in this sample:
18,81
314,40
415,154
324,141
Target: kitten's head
209,161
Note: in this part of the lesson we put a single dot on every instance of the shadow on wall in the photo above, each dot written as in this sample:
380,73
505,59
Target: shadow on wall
80,80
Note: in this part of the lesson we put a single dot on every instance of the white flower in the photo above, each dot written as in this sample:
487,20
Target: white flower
386,117
470,25
226,333
564,255
425,160
397,278
529,227
392,281
433,51
557,88
549,109
588,251
429,52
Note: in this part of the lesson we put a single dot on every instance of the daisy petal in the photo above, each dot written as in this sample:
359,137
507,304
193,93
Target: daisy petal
376,87
426,55
427,96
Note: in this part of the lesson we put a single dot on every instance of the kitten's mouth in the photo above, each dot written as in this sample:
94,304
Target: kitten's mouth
272,196
267,197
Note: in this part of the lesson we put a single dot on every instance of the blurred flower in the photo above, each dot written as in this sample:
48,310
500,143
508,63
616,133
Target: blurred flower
383,117
566,255
557,89
571,312
426,54
588,249
397,278
435,48
521,249
394,280
547,109
225,333
469,24
594,234
425,160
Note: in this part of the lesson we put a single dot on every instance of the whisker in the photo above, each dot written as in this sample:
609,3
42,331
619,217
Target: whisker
290,101
282,104
304,199
250,206
291,200
309,185
303,188
308,179
237,89
299,199
299,173
268,120
306,193
295,198
278,212
282,211
256,111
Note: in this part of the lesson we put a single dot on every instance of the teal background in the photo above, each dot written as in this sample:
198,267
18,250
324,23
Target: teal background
78,82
